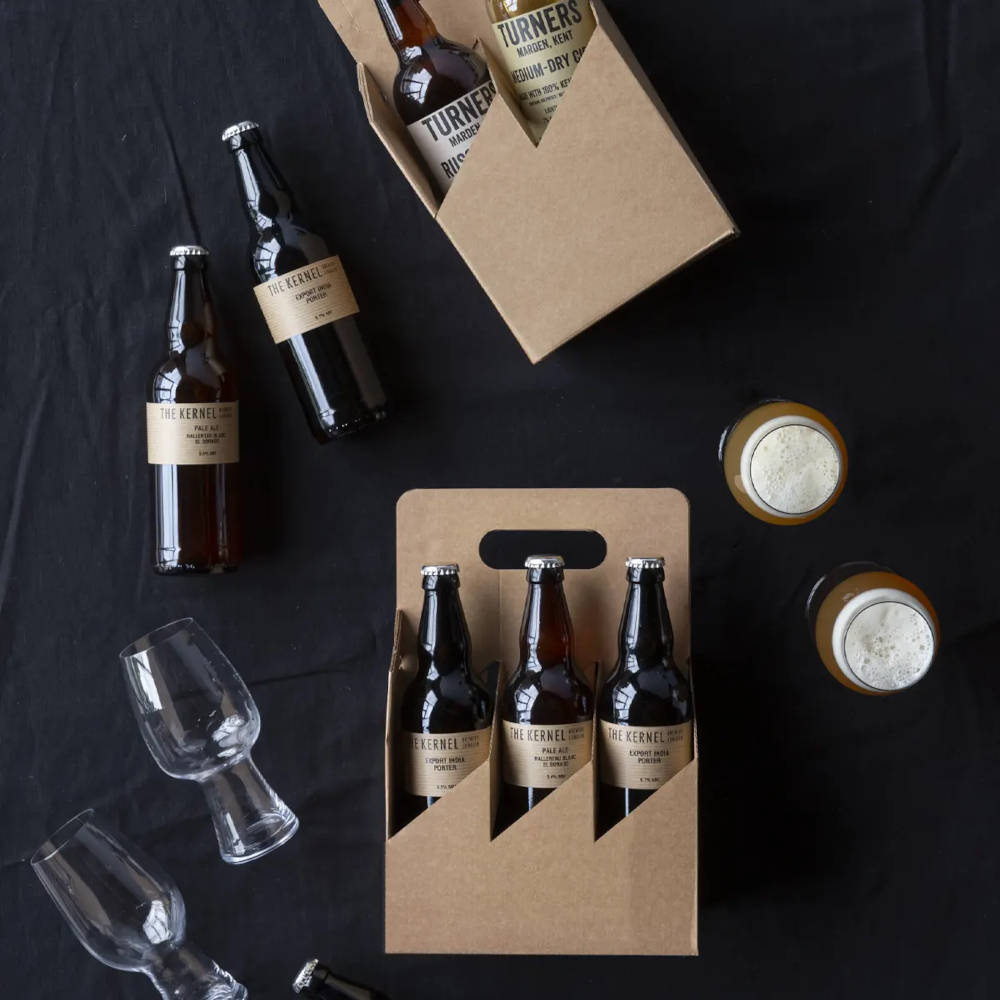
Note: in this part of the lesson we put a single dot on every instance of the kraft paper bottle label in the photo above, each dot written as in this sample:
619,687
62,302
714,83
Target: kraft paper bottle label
544,756
306,298
192,433
434,763
541,49
445,136
643,757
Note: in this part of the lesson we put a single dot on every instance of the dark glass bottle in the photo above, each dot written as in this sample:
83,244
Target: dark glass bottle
644,708
547,694
443,699
317,981
442,89
192,424
306,299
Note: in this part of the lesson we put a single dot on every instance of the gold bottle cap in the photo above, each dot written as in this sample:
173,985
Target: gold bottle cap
237,128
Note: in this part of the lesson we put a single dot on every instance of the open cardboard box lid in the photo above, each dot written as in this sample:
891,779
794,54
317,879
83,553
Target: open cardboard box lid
561,233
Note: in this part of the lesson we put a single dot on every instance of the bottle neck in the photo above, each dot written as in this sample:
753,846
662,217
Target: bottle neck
266,196
408,27
646,637
443,642
546,630
190,322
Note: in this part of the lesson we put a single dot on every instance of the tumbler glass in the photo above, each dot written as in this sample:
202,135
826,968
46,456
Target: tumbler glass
126,911
200,722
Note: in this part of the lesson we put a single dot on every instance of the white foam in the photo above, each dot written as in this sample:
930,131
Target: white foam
795,468
889,645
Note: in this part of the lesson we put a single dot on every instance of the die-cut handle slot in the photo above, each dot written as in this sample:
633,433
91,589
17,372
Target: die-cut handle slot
505,549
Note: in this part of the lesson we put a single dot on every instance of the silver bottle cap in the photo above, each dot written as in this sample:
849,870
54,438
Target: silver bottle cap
645,562
237,128
304,978
188,251
443,569
544,562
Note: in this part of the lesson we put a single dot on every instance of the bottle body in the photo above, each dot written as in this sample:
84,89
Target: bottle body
442,90
445,714
541,44
644,709
192,421
306,300
547,707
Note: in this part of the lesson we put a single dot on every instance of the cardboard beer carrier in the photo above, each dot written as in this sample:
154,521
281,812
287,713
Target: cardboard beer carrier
547,884
609,202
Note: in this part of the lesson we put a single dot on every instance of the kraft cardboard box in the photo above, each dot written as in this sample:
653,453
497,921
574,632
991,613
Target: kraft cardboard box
547,884
609,202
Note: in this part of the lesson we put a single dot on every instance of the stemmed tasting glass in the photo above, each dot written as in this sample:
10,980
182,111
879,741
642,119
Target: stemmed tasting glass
200,722
126,911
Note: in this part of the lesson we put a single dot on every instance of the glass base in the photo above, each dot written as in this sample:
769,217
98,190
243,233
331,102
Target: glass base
271,842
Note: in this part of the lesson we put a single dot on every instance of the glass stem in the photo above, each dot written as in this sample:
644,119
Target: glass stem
250,819
187,973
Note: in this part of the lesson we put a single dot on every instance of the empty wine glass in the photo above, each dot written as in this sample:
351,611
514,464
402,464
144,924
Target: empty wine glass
126,911
200,722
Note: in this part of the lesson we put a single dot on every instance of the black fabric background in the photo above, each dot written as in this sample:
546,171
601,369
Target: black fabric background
848,844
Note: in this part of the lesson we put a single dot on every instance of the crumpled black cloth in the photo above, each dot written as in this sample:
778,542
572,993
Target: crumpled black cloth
848,844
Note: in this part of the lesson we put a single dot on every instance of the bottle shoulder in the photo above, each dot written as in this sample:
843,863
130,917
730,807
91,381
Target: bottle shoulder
547,695
445,704
192,376
444,72
656,695
284,247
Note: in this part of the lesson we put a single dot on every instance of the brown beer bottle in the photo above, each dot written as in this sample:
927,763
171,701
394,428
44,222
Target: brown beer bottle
442,90
318,982
644,709
306,300
547,707
445,715
192,434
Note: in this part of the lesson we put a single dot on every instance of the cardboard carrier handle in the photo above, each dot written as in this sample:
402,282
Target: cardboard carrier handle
507,549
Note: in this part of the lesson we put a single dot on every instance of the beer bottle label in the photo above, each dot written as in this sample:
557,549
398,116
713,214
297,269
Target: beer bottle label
434,763
643,757
541,49
444,137
192,433
544,756
306,298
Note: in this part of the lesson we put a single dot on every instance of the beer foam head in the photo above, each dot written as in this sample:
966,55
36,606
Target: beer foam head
889,645
794,467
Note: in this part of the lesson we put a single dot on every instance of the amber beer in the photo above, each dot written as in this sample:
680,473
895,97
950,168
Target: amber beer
547,707
445,715
644,709
442,90
192,434
541,44
306,299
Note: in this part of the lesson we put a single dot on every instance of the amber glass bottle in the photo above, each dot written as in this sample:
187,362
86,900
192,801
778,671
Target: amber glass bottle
442,90
644,709
445,715
541,43
318,982
547,707
306,300
192,434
